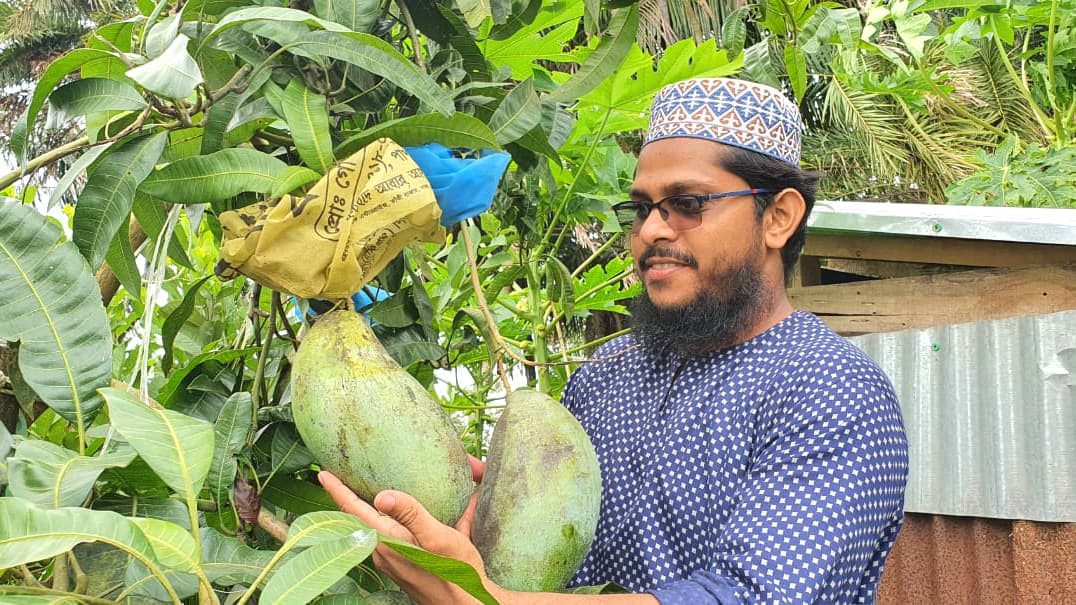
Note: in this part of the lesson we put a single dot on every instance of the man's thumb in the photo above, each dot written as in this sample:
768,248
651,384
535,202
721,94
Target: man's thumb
407,512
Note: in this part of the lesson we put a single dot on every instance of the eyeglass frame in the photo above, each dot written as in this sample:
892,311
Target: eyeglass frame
700,199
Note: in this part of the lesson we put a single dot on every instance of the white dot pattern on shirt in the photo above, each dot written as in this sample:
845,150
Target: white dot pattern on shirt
773,472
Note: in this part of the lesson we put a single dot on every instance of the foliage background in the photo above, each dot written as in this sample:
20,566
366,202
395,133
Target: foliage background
117,330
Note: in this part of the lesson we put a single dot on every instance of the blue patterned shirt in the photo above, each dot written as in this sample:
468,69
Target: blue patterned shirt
770,472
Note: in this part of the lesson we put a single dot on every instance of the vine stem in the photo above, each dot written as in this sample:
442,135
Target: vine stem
483,307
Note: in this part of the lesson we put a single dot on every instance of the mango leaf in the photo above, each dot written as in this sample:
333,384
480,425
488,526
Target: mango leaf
121,259
51,303
178,448
91,95
73,172
458,130
377,57
151,215
215,177
293,495
164,509
268,15
22,599
292,179
227,561
175,74
106,200
175,321
51,476
322,526
54,74
451,570
172,545
307,115
518,113
605,60
287,450
796,66
29,534
317,568
441,23
229,436
356,15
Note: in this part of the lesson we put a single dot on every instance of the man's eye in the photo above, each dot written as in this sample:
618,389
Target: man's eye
684,205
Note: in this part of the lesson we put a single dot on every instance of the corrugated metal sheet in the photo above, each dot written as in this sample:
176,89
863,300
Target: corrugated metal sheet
968,561
1003,224
990,411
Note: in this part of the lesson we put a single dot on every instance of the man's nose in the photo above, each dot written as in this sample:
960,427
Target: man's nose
655,228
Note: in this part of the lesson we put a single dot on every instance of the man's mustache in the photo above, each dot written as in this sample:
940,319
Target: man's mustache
653,251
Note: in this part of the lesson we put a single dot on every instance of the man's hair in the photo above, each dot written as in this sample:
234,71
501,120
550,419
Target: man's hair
764,172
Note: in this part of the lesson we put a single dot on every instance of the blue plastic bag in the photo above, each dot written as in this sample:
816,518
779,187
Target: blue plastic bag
464,187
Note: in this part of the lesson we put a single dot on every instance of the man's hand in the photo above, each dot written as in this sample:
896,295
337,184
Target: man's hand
398,515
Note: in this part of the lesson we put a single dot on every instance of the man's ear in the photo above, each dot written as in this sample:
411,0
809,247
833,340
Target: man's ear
782,217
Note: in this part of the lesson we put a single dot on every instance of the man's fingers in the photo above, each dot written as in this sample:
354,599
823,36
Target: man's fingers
478,468
466,521
412,516
350,503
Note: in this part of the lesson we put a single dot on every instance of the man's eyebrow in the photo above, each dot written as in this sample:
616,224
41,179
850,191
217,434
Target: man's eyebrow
674,188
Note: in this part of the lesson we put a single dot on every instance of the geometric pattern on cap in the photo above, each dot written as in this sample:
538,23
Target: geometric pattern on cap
729,111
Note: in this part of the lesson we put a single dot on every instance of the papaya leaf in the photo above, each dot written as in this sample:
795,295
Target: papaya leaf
91,95
175,322
544,39
107,199
29,534
121,260
458,130
54,74
178,448
172,545
52,304
230,432
51,476
317,568
174,74
215,177
377,57
307,116
517,114
605,60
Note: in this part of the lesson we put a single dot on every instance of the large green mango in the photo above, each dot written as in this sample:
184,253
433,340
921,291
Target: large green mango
371,423
539,500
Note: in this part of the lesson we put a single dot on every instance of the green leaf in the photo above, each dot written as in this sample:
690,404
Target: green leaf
796,65
517,114
175,74
29,534
51,476
106,200
457,572
51,303
296,496
178,448
215,177
73,172
544,39
268,15
458,130
605,60
121,259
151,215
230,433
559,284
54,74
172,545
317,568
307,115
175,322
377,57
356,15
227,561
91,95
292,179
287,450
321,526
21,599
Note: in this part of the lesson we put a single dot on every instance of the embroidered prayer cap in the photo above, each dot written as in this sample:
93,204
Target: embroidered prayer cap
729,111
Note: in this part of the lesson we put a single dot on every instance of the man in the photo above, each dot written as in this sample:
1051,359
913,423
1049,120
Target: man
748,453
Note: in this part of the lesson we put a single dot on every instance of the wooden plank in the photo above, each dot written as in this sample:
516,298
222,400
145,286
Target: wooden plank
938,250
904,303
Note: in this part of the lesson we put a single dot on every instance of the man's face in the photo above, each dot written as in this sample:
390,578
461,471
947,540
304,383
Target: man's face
676,266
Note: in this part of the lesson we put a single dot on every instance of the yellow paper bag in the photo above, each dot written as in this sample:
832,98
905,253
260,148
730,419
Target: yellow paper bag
336,238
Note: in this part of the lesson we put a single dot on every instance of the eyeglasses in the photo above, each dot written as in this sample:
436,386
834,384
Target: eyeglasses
681,212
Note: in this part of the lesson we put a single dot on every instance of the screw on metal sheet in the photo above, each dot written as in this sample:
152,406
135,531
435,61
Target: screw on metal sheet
935,347
936,227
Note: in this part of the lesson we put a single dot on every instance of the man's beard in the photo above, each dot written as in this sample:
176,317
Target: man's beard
723,311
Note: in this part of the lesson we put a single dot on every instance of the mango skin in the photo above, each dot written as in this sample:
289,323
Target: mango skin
371,423
539,500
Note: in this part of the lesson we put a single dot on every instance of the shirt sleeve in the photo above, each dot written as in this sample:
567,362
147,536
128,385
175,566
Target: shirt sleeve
821,503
